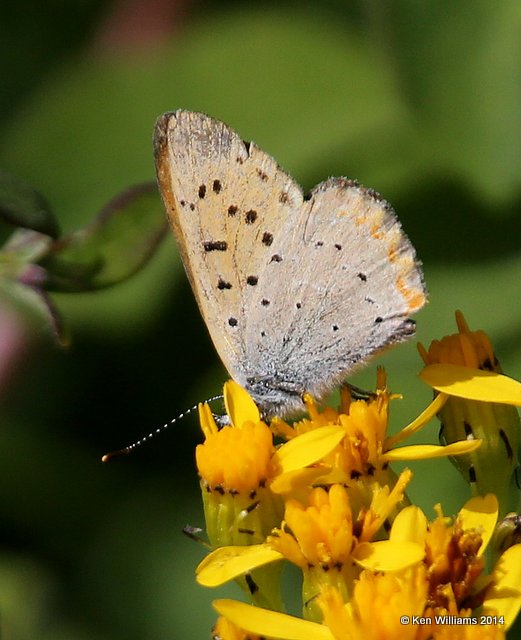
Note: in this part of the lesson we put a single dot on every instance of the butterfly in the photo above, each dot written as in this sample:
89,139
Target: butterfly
296,290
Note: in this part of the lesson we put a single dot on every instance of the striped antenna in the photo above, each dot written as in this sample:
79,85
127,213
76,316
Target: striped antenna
128,449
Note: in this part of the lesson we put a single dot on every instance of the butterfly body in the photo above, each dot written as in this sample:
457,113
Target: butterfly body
296,290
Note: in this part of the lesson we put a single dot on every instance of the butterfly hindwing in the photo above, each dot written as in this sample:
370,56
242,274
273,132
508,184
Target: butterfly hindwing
345,286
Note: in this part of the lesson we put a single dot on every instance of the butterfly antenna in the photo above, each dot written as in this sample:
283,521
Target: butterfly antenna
128,449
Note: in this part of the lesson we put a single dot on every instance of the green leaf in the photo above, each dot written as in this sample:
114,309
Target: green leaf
460,68
112,247
23,206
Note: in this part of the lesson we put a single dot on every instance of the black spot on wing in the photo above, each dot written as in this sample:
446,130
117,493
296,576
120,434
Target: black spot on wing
215,245
223,284
251,216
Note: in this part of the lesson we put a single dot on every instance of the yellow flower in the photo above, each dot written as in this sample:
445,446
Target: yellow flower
466,348
377,609
430,600
376,612
454,558
480,407
237,465
364,454
326,540
242,472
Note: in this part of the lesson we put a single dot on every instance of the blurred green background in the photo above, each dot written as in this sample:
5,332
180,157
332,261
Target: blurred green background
419,100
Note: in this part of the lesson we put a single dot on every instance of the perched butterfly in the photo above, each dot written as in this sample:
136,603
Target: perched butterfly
296,290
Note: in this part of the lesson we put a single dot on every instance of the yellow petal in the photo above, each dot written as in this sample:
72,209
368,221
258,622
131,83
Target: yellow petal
388,555
333,476
226,563
270,623
206,420
504,597
239,405
480,513
472,384
417,424
308,448
294,481
424,451
410,525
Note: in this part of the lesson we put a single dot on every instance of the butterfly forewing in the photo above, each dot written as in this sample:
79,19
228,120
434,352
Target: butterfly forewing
222,200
